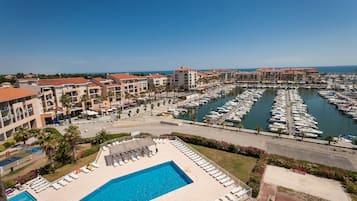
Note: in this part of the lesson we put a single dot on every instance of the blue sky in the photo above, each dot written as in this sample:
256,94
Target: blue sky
99,36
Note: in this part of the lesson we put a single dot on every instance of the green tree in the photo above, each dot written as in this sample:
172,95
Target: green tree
63,152
22,135
329,139
49,143
72,136
67,103
259,129
101,137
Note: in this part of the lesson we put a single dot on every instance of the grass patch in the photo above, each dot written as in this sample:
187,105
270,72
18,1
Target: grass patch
238,165
298,195
353,197
60,172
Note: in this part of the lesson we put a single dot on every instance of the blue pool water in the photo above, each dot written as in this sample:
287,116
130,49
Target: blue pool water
24,196
143,185
9,160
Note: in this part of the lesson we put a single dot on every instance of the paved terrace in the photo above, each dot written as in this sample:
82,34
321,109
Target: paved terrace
204,187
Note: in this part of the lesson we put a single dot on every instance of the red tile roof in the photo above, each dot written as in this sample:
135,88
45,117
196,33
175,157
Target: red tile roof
124,76
7,94
183,68
62,81
98,79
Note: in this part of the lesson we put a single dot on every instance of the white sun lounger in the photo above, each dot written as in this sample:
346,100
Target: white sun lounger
207,167
68,178
241,193
236,190
210,169
56,186
37,181
217,174
94,164
36,185
224,180
34,180
73,175
228,183
121,162
195,157
222,199
42,188
204,165
213,172
198,162
62,182
221,177
105,148
230,197
84,170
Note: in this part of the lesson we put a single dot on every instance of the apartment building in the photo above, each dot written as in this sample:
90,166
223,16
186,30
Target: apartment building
185,78
112,91
19,108
51,90
157,80
131,84
279,75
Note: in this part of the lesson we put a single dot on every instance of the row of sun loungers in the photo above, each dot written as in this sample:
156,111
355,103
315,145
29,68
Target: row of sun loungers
123,158
205,165
237,193
38,184
73,176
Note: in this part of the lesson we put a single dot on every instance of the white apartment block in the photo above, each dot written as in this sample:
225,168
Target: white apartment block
185,78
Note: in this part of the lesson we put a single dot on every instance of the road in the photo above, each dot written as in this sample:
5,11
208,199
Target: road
319,153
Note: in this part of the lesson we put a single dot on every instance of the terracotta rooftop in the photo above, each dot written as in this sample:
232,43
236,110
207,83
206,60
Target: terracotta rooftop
184,68
62,81
124,76
7,94
99,79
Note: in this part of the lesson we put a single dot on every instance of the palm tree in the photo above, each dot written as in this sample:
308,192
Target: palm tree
329,139
67,103
72,136
302,135
280,130
240,126
84,100
110,95
22,134
49,144
259,129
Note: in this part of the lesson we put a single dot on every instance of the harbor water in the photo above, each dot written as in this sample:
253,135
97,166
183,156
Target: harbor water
330,120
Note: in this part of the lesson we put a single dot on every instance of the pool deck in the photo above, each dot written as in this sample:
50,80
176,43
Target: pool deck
204,187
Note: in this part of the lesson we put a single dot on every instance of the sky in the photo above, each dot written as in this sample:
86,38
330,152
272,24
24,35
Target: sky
48,36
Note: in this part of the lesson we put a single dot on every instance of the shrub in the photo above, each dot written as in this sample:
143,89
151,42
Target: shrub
26,177
9,184
47,169
351,187
2,148
9,143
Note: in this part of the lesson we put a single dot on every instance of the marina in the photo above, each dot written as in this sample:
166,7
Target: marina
293,111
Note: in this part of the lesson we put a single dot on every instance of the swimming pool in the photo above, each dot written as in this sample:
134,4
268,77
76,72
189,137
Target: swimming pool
24,196
143,185
9,160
